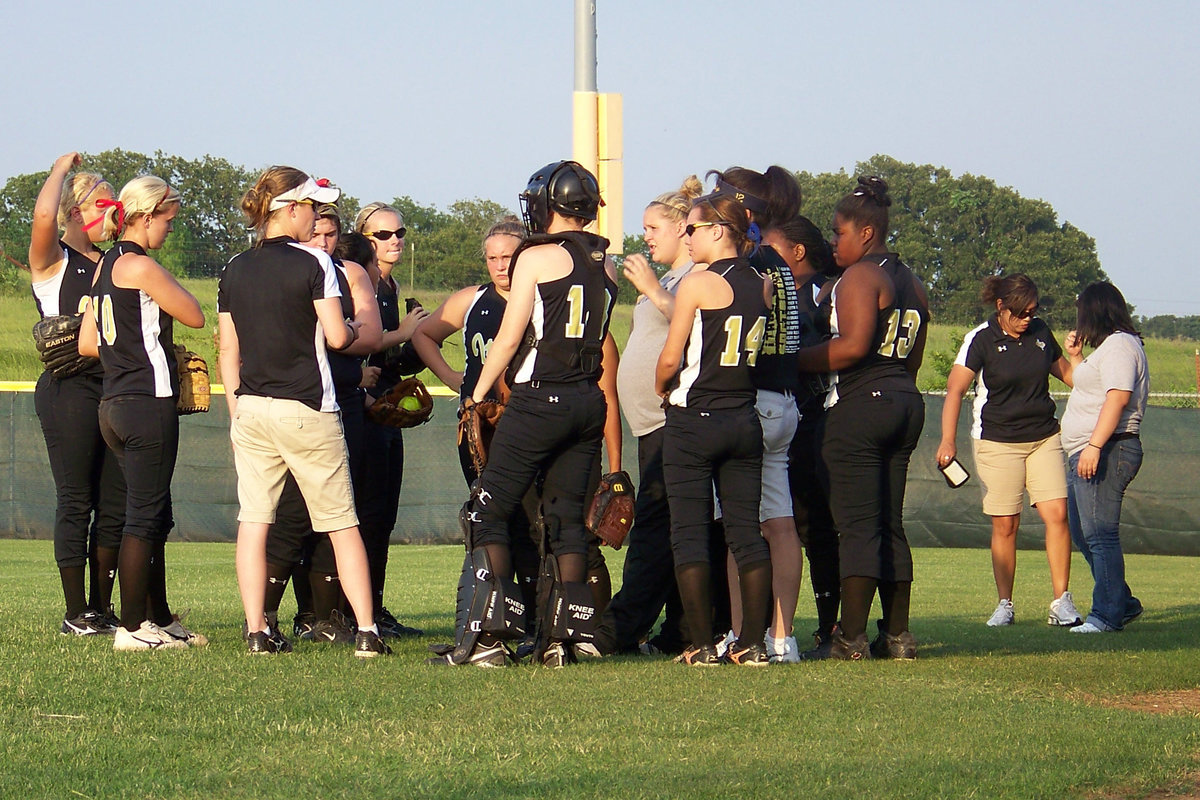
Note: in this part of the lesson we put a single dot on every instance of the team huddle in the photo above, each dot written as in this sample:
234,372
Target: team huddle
769,378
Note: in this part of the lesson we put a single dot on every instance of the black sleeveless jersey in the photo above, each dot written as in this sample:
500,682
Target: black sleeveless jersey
723,346
480,327
896,335
776,367
814,329
68,292
137,346
346,369
269,291
570,315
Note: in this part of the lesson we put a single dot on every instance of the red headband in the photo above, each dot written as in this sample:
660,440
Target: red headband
104,202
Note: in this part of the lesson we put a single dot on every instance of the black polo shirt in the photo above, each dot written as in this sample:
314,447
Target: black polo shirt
1012,402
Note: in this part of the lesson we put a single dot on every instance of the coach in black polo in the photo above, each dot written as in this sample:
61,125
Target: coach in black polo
1014,434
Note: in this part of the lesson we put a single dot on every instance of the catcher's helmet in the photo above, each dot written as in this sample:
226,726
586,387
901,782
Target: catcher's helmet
565,187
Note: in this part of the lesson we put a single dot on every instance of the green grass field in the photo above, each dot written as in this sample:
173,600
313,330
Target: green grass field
1023,712
1172,363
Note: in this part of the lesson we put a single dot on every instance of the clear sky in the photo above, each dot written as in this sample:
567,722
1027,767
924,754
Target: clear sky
1091,106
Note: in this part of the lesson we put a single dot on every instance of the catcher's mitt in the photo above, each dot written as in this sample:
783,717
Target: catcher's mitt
57,342
476,426
611,514
403,406
194,394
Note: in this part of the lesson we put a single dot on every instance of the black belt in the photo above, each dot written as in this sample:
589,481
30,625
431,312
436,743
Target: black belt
1120,437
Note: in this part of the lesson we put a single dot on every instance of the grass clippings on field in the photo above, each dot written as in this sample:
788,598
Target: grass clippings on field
1186,701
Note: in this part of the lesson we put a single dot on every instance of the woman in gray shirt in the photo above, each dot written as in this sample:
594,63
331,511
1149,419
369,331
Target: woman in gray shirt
1100,435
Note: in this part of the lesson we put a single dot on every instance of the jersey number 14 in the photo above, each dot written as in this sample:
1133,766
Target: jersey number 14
731,354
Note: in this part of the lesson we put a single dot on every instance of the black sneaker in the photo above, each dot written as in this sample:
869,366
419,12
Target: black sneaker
496,654
263,642
705,656
390,627
303,625
843,649
332,631
557,656
110,618
368,644
823,642
89,623
902,647
754,655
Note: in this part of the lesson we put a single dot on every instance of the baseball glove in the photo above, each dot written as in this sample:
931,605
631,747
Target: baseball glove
405,405
611,514
57,342
193,381
476,426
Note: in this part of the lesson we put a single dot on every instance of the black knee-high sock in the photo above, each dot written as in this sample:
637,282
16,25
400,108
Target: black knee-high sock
572,568
894,597
72,585
601,585
857,594
157,608
694,593
500,557
827,592
134,570
326,592
277,581
377,565
302,588
755,581
104,576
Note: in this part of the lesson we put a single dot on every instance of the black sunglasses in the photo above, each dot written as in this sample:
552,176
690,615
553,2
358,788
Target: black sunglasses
1026,314
383,236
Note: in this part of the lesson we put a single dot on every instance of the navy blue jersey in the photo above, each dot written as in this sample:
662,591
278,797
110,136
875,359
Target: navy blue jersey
480,327
775,369
897,330
723,345
137,346
1012,375
269,291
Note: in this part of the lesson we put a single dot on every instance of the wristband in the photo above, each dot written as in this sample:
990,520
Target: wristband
1097,446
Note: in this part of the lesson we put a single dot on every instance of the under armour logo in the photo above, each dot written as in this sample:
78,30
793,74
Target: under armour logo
80,271
484,495
473,517
483,313
876,394
482,575
1001,348
1041,345
552,398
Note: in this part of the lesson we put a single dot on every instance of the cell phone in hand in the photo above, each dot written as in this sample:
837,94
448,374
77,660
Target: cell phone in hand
410,303
955,473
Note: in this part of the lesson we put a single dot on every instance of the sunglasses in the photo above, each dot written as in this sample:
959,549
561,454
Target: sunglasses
690,230
383,236
1026,314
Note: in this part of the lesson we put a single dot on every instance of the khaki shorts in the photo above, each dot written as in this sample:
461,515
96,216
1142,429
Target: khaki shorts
1007,469
272,436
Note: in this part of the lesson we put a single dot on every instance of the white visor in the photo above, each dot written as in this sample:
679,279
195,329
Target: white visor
309,190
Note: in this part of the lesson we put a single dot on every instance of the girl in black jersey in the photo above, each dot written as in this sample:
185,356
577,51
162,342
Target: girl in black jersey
559,304
89,488
476,311
713,432
129,322
801,245
280,308
874,418
378,495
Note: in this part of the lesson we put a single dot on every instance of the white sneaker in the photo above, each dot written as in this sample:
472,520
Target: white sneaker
782,651
1063,613
587,650
723,643
1003,615
147,637
188,637
1087,627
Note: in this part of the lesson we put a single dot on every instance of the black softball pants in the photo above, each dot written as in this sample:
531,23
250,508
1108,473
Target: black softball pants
143,432
87,475
869,439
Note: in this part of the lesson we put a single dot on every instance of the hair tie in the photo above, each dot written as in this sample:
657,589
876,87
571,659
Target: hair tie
754,234
104,202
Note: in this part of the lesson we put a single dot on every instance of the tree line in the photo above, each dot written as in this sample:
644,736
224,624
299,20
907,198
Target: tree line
953,231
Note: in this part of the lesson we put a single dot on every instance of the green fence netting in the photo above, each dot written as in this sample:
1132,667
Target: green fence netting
1161,513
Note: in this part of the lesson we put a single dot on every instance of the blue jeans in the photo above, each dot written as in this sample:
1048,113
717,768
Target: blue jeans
1094,514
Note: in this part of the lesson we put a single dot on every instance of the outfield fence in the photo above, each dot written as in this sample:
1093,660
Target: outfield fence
1161,513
